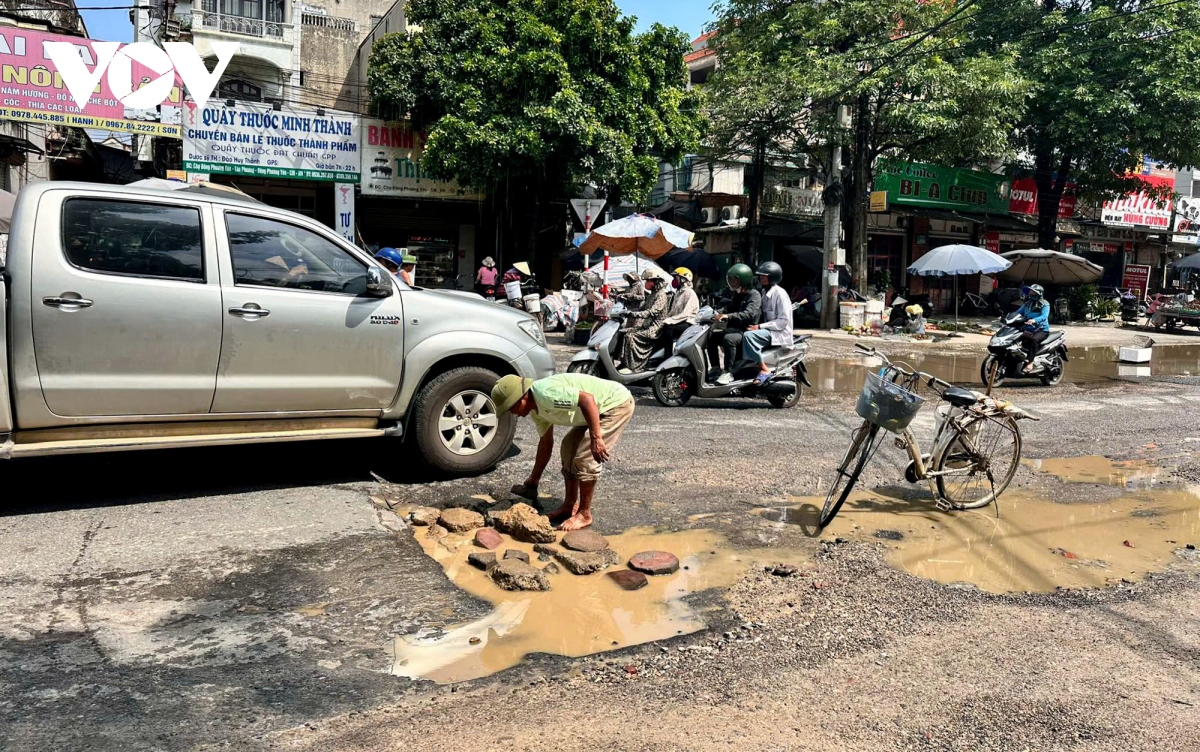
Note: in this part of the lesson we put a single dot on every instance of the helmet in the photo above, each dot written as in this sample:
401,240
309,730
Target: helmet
408,258
1032,293
630,277
650,274
390,255
741,273
684,272
772,271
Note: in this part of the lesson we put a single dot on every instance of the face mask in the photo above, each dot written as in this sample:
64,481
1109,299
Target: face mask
649,286
675,283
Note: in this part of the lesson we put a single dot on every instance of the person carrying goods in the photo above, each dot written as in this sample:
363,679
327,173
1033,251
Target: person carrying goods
742,310
513,279
684,305
1036,312
776,327
597,408
639,344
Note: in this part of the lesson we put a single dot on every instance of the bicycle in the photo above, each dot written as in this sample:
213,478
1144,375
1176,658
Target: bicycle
975,302
976,448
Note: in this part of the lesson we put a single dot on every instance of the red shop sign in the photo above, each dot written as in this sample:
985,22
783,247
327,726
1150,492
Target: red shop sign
1023,199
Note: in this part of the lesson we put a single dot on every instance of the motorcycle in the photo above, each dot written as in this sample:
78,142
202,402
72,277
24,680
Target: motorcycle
604,347
1006,353
685,374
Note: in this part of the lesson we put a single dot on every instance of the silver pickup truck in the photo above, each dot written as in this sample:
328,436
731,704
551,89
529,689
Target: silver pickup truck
141,319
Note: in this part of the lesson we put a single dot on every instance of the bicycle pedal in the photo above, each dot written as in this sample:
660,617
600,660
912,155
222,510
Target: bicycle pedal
901,442
943,505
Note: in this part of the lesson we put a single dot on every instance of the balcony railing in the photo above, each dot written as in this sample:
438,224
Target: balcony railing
254,27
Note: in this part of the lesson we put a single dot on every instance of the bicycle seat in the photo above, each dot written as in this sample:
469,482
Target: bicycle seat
959,397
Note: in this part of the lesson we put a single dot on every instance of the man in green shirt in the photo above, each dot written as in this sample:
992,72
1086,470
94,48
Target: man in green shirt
588,405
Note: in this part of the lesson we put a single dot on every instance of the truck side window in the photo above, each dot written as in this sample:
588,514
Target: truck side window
270,253
133,237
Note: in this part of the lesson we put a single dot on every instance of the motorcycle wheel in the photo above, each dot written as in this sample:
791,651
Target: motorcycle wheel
1054,372
986,368
673,387
786,402
585,367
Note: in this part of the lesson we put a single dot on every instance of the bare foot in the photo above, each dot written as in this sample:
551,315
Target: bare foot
578,521
563,512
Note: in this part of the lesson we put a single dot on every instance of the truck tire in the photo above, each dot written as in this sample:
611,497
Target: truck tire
455,423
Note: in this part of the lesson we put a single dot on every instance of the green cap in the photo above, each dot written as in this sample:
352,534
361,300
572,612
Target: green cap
508,390
409,259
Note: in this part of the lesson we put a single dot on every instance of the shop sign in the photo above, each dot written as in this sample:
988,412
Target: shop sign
1024,199
1187,221
258,140
991,241
1136,277
1140,209
34,90
915,184
797,201
343,199
392,164
1104,247
879,201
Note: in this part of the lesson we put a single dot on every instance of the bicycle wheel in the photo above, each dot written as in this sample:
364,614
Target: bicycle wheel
981,461
862,446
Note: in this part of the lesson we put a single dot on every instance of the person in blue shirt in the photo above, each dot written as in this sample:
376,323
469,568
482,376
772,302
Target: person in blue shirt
1036,311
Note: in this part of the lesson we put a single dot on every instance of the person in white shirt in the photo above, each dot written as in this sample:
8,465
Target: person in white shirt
684,305
775,327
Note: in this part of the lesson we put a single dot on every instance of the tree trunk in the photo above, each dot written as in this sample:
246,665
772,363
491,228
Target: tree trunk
757,181
1049,193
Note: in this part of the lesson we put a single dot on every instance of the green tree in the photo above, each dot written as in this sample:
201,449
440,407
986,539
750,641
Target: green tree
1111,81
888,63
531,99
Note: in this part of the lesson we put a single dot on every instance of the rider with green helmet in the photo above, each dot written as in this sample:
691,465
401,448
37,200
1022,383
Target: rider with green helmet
740,311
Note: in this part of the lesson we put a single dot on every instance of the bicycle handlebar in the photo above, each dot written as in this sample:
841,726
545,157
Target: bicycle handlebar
931,381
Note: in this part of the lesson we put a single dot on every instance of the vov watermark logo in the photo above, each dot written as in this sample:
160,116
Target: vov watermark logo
172,58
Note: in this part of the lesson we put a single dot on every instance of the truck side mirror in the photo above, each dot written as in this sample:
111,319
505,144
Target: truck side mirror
378,284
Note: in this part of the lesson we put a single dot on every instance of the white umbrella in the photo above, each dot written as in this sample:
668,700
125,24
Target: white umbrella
1050,267
954,260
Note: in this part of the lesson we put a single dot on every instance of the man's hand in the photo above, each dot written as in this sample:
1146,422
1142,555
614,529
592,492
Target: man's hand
599,450
719,317
752,328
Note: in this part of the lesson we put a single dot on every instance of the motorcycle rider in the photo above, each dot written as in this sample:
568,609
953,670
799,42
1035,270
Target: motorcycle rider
684,305
391,260
644,326
776,327
742,310
1036,312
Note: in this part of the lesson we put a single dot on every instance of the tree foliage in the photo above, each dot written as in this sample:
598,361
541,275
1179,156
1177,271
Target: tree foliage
540,96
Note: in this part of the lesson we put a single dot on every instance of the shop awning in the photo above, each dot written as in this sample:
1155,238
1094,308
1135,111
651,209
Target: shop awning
16,143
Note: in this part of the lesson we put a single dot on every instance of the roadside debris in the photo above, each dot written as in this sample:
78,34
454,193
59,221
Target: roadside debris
488,538
584,540
514,574
524,523
580,562
513,554
654,562
424,516
482,560
628,579
458,520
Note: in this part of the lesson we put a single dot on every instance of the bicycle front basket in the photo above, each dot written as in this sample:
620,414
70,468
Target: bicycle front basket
888,405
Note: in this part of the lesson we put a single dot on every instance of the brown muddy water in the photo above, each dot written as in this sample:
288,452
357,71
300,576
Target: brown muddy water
1032,544
579,615
1086,365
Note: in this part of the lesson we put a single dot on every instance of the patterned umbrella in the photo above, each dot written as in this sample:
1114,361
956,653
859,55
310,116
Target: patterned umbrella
637,233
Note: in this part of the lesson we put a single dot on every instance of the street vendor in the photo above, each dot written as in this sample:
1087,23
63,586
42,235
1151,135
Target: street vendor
597,408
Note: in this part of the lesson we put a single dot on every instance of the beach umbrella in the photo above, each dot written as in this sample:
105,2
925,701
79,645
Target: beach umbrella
1187,262
955,260
1050,267
637,233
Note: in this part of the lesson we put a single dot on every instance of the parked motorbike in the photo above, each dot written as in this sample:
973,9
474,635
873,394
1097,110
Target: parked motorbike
1007,354
685,374
604,347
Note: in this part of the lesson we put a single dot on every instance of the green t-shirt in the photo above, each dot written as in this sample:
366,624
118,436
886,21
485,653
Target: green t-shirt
557,399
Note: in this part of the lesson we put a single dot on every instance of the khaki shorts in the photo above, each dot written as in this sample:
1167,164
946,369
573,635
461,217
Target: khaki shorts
576,451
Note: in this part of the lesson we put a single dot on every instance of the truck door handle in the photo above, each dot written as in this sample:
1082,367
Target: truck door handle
55,301
251,310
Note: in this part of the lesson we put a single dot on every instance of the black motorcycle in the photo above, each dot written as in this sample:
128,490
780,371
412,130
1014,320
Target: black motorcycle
1006,354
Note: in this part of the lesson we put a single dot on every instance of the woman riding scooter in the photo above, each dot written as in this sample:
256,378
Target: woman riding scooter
1036,312
639,344
684,305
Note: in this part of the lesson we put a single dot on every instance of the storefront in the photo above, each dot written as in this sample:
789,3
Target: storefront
1135,229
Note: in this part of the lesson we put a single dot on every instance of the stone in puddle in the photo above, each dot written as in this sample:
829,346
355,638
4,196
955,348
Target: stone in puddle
458,520
525,524
543,548
424,516
484,560
513,553
550,568
783,570
488,538
513,574
628,579
580,562
436,531
654,562
584,540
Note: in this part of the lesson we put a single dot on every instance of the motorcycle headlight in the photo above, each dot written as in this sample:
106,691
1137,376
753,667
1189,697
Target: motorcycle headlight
534,330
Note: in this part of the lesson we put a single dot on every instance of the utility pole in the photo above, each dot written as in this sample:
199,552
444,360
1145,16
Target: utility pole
834,255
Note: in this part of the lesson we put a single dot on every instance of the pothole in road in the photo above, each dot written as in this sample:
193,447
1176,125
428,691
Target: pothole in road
1035,544
581,614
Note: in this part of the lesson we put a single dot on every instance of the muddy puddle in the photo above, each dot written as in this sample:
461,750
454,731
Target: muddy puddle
1035,544
1087,364
579,615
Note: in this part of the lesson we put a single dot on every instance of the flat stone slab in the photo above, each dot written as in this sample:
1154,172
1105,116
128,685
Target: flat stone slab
580,562
436,531
488,538
484,560
654,562
458,520
513,574
424,516
513,553
584,540
525,524
628,579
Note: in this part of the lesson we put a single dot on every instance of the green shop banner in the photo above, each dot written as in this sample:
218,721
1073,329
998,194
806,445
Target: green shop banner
933,187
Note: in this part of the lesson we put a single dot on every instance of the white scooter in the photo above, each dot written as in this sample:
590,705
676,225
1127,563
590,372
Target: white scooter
685,374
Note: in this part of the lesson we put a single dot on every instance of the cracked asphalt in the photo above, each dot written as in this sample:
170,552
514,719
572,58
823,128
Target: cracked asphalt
245,598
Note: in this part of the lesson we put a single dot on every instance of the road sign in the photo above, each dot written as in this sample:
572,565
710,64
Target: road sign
588,210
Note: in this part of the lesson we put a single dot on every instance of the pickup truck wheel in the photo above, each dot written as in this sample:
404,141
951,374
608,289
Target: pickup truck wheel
455,423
